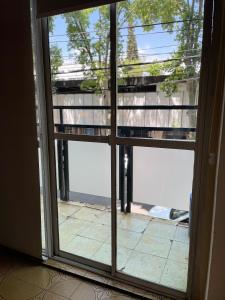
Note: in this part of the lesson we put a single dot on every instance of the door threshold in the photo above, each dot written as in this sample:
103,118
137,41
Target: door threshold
104,279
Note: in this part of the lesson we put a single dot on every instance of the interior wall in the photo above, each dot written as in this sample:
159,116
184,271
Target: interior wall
20,224
216,276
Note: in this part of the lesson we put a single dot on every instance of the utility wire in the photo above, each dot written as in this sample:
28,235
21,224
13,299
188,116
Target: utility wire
137,26
162,23
130,65
124,53
140,49
124,35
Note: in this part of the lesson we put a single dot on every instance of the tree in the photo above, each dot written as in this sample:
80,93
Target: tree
132,49
56,59
91,48
186,64
55,52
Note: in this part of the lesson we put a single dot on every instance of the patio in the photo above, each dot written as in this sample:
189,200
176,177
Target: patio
148,248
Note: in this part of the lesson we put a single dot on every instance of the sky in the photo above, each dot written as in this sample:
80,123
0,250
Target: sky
146,41
157,44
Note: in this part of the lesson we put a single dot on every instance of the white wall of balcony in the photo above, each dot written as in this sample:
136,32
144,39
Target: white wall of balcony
145,118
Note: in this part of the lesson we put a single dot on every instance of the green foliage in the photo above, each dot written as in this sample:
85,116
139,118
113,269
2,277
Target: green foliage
51,24
55,52
155,69
132,49
56,59
188,54
93,53
90,53
155,11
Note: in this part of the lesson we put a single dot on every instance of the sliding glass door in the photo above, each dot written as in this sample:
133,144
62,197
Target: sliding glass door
122,115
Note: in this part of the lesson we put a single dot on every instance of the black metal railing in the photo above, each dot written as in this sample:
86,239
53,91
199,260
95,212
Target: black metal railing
125,172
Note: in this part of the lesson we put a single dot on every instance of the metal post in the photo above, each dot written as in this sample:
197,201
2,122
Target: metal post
60,169
129,178
66,170
122,177
63,162
113,85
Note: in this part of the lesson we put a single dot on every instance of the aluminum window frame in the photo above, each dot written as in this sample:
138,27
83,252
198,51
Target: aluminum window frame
113,140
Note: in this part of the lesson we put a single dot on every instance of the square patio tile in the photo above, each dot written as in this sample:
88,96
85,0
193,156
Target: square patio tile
88,214
61,219
161,229
181,234
66,210
69,229
179,252
127,239
104,255
145,266
96,231
83,246
104,218
154,245
175,275
133,222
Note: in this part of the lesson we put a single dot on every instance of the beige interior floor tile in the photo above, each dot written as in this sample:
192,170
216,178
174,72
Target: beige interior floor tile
104,255
50,296
88,214
96,231
175,275
93,292
12,288
154,245
83,246
181,234
85,291
66,287
179,252
37,275
145,266
66,210
113,295
69,229
161,229
133,223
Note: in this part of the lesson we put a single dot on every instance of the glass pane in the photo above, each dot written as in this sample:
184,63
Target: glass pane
159,62
153,219
80,54
84,199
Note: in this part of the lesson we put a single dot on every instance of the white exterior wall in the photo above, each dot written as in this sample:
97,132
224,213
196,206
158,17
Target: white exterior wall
148,118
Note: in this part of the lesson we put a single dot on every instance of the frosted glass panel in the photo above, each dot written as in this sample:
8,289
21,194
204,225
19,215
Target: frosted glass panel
89,168
163,177
84,199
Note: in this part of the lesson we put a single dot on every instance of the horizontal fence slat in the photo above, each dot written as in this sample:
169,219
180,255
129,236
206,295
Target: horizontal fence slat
141,142
127,107
191,129
156,143
81,138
